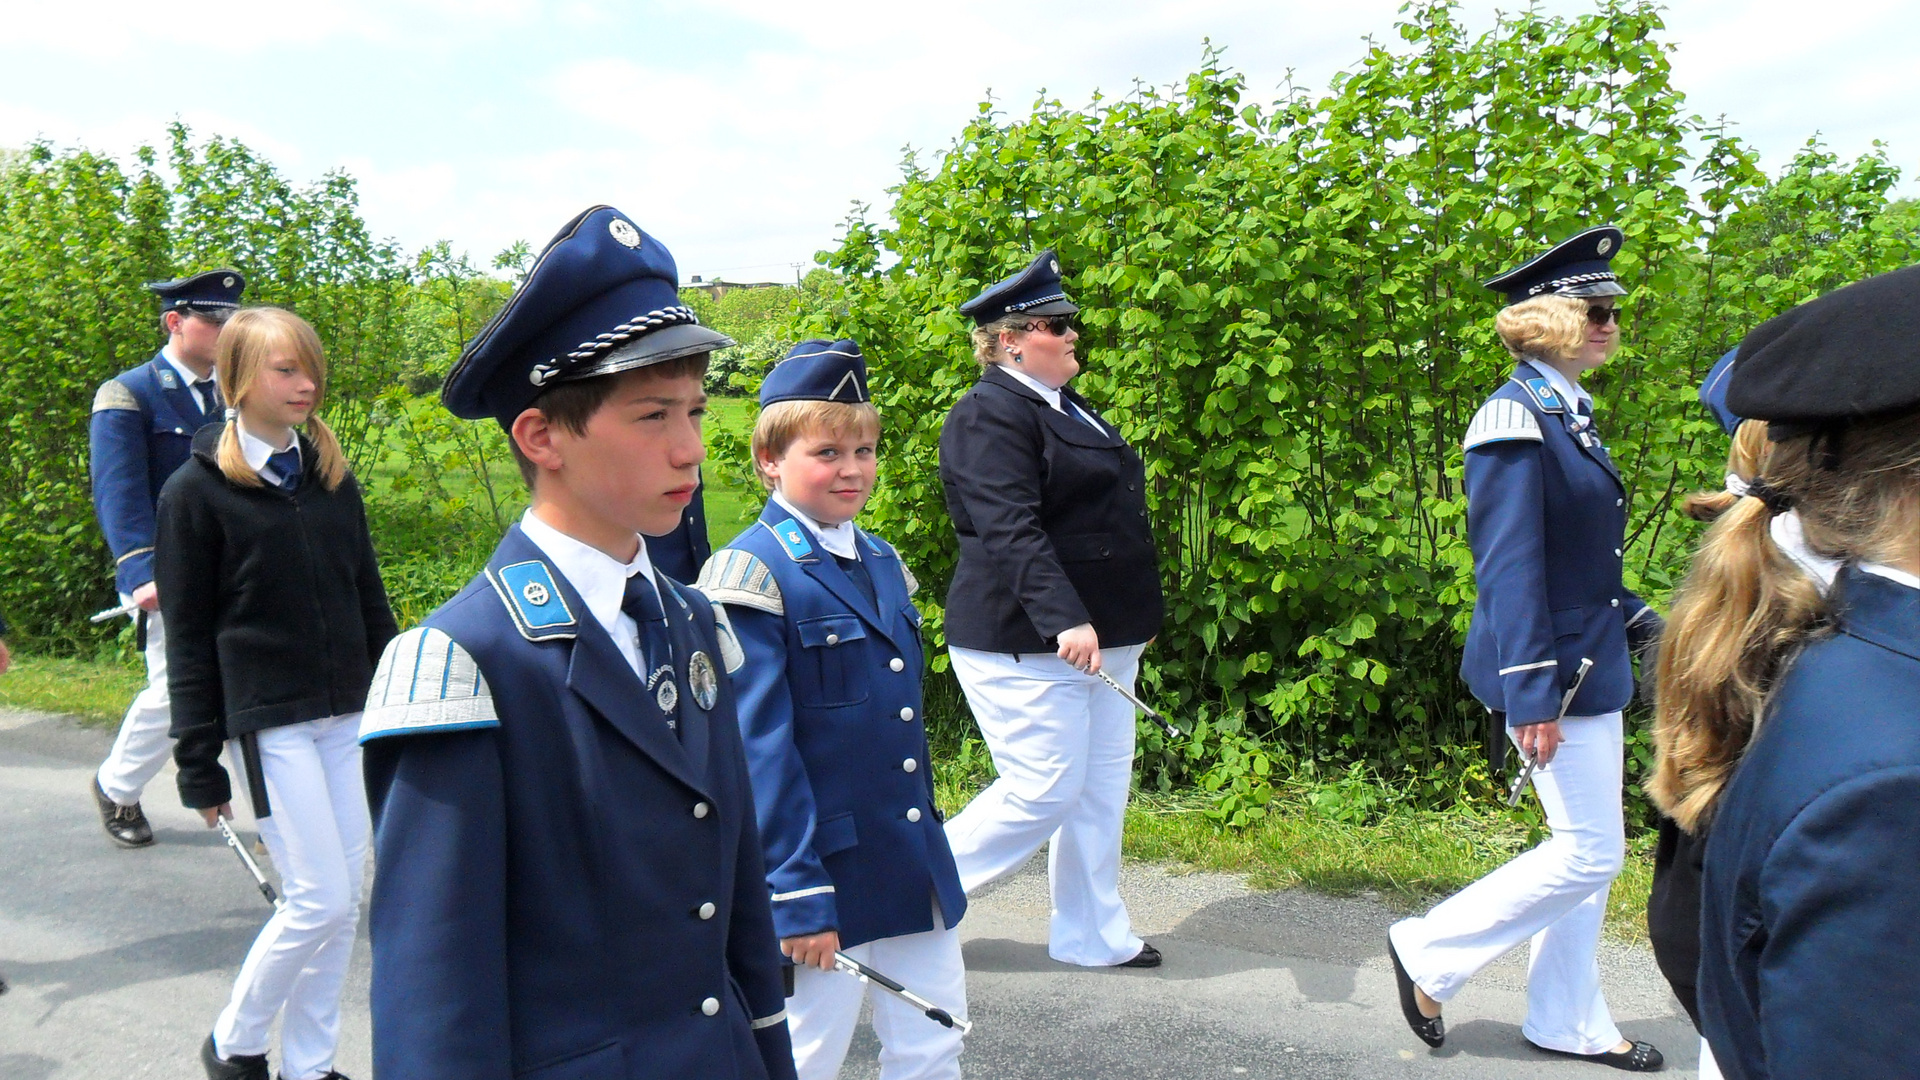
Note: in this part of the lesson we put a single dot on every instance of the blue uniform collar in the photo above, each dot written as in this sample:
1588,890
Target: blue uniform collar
1879,609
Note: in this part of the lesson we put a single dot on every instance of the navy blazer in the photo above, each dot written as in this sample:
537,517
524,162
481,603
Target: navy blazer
1810,914
831,713
140,433
566,891
1547,521
1052,519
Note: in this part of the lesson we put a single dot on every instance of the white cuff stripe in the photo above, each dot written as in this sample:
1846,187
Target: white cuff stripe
796,894
1528,667
768,1021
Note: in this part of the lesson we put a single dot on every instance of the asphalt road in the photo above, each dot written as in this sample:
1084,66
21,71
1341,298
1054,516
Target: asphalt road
119,961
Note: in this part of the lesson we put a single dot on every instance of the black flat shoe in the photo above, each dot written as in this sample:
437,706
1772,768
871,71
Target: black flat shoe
1641,1057
1431,1030
237,1067
1147,957
125,825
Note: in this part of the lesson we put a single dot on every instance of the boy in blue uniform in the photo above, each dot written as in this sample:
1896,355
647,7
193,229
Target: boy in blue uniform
570,884
830,709
141,431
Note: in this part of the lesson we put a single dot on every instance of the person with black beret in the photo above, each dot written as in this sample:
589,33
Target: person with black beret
1789,713
1058,579
1549,653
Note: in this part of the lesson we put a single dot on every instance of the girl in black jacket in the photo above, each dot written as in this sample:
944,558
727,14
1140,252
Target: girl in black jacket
275,619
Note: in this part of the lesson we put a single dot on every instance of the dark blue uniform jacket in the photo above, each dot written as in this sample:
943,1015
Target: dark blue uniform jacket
831,712
1546,519
1810,915
141,431
566,890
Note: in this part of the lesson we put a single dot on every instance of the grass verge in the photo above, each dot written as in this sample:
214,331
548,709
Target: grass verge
1407,858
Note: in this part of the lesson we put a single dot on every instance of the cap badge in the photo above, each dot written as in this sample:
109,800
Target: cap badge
702,680
1053,265
623,231
1605,245
227,282
535,593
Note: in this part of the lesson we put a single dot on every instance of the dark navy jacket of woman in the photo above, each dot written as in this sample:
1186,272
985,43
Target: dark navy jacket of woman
1810,917
566,890
1052,517
1546,519
836,741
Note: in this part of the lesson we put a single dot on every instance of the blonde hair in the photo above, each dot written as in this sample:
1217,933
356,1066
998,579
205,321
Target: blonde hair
780,423
248,341
1746,459
1550,326
1746,609
986,338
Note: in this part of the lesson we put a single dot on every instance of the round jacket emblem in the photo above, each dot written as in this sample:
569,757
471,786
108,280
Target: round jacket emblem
535,593
623,231
667,696
1605,245
702,680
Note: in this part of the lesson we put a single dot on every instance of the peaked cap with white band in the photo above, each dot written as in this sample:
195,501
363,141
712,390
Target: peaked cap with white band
604,297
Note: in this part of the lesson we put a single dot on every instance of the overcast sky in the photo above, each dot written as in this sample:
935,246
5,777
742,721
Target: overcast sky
739,131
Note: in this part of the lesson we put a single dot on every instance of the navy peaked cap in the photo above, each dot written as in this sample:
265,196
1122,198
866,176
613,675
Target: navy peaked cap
818,370
214,291
602,298
1844,356
1033,291
1713,392
1577,266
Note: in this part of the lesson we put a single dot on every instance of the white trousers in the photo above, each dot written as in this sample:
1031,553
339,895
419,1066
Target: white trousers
1554,895
1709,1068
317,836
826,1004
1062,741
142,747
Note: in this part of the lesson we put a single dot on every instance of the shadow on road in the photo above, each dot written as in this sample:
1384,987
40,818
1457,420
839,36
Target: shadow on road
26,1066
166,956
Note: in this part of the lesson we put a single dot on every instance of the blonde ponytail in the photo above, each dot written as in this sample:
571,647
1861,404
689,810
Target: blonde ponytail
232,460
332,464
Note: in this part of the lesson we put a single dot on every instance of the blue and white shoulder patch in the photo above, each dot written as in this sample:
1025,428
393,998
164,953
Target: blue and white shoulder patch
426,683
113,394
793,538
1544,395
733,576
539,612
1501,420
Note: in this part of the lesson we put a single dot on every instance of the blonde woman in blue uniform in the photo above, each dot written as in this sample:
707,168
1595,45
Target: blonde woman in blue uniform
1546,520
830,712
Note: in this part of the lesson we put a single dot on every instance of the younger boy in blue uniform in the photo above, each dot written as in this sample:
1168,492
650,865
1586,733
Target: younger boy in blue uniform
570,884
830,709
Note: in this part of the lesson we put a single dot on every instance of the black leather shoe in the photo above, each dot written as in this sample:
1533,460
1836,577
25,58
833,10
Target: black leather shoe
1432,1030
237,1067
126,825
1640,1057
330,1075
1147,957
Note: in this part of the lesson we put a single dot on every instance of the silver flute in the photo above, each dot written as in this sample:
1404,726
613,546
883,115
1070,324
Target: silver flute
246,857
847,964
1154,715
113,613
1566,702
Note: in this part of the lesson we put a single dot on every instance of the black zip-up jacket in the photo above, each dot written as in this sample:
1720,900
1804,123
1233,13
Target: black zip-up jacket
274,609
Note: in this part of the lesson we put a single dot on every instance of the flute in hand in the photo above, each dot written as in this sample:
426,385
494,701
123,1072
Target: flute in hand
1566,702
847,964
246,857
1153,714
113,613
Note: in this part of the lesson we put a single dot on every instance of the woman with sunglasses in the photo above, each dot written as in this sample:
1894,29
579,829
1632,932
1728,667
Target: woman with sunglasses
1058,580
1546,519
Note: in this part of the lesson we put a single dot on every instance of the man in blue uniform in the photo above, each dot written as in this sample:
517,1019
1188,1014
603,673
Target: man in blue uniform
142,430
570,878
830,709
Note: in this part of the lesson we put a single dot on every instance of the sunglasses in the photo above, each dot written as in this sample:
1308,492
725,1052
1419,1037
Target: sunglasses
1057,325
216,316
1601,315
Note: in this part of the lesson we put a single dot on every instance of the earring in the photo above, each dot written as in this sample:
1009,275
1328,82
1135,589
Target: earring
1018,359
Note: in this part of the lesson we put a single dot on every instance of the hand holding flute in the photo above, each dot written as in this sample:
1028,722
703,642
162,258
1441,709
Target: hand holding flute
1533,759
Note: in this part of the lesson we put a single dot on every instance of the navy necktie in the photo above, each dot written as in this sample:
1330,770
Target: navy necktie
287,464
642,604
209,392
862,580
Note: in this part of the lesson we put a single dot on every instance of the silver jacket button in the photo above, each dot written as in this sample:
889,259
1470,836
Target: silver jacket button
700,809
833,639
711,1006
707,910
913,813
911,764
906,714
1615,601
897,664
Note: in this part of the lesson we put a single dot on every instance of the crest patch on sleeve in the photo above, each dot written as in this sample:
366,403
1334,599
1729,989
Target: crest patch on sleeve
426,683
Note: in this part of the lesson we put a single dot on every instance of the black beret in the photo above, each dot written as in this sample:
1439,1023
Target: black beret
1852,353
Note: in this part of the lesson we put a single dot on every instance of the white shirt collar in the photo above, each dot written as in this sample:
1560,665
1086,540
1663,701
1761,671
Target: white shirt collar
1047,393
599,578
1891,574
258,452
1569,392
187,377
837,539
